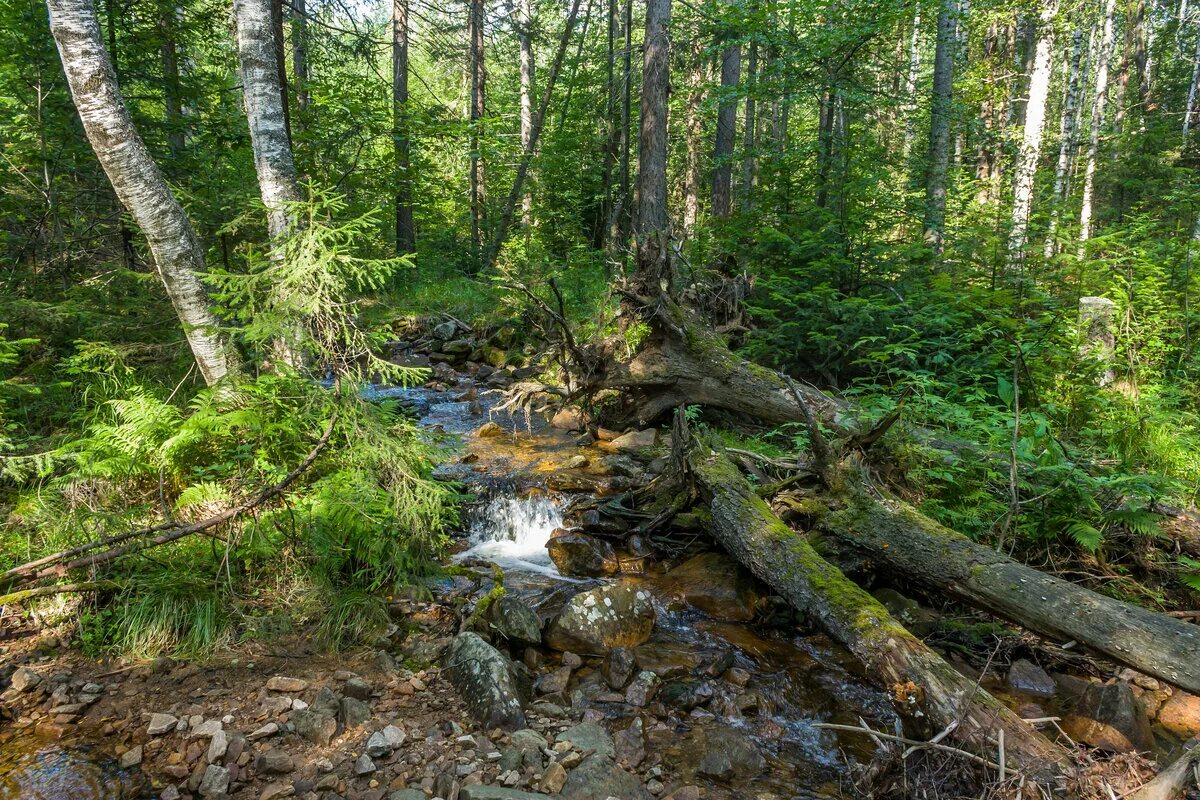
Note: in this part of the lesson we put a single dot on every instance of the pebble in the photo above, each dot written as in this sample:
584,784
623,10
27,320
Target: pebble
280,683
270,729
161,723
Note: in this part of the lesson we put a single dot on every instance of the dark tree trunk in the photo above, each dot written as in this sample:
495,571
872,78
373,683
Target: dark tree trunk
167,23
751,128
281,63
722,181
939,127
406,237
300,54
654,272
478,80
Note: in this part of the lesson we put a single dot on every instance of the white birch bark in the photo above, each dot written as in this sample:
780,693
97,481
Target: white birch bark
265,113
1103,54
138,182
1066,143
1031,141
1191,98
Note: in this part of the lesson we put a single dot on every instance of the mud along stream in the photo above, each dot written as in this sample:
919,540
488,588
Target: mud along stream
694,682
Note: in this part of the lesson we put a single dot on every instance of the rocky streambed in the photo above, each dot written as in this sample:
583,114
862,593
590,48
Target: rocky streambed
558,658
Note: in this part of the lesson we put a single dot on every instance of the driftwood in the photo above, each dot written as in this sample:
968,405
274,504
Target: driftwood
925,687
1173,780
901,539
81,557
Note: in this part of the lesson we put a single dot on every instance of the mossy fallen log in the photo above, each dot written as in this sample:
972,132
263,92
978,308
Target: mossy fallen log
897,537
929,692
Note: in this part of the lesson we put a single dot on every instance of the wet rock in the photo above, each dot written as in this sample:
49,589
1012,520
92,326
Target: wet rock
724,754
458,347
486,680
642,689
161,723
630,745
274,762
1109,717
553,682
1025,676
489,430
717,585
686,695
589,738
215,782
131,757
580,554
514,620
1181,714
617,667
316,726
281,683
599,777
634,440
24,679
670,659
598,620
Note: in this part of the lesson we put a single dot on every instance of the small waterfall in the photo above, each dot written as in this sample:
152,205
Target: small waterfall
512,532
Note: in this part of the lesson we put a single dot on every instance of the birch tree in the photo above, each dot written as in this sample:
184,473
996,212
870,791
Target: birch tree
1031,142
262,93
138,182
910,83
525,37
1066,139
1103,54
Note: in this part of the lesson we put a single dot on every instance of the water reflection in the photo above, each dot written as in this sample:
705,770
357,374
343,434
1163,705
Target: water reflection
35,767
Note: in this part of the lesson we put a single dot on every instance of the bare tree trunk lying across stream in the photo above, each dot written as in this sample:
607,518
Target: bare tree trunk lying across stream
925,688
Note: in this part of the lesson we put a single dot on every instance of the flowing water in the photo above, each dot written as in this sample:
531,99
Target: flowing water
512,532
37,767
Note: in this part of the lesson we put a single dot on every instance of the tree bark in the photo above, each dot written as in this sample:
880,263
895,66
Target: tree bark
1066,143
908,543
406,235
266,114
909,107
722,181
1031,144
654,269
925,689
167,19
750,128
300,54
525,37
535,133
138,182
281,79
693,175
1103,54
478,81
939,127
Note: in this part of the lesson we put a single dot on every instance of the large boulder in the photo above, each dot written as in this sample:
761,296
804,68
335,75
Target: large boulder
581,555
717,585
597,620
1181,714
486,680
1109,717
723,754
599,777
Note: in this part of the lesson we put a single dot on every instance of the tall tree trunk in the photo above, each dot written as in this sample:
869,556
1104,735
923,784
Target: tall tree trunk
654,269
1031,143
986,157
167,23
910,84
535,133
939,127
525,36
1103,53
751,128
693,176
722,181
1066,143
1189,115
406,236
266,113
281,80
478,81
138,181
110,20
600,228
300,54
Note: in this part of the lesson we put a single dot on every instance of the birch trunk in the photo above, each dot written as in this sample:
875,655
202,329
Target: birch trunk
525,37
1104,52
694,175
1066,143
406,237
265,112
653,247
138,182
722,188
1031,143
939,126
1190,113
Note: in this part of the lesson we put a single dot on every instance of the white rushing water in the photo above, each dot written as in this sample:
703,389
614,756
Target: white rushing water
512,532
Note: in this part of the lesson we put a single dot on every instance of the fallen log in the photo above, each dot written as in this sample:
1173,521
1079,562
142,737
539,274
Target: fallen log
926,688
1174,779
893,534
